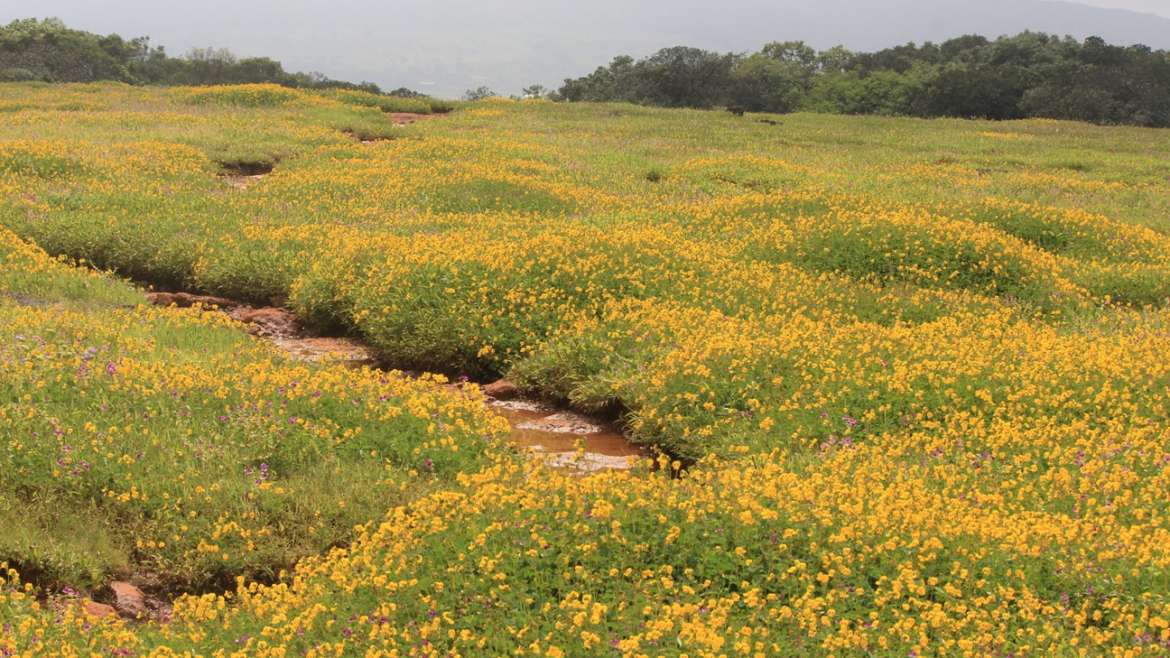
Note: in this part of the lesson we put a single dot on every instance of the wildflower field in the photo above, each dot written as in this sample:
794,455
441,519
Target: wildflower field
908,382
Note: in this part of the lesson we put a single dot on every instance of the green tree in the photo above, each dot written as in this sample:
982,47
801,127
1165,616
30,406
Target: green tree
52,52
614,82
478,94
684,77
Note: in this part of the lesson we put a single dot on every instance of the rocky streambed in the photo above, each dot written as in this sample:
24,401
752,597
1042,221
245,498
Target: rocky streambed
560,437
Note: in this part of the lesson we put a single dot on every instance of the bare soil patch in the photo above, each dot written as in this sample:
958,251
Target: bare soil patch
407,118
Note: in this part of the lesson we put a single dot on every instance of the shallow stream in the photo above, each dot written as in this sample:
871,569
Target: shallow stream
562,438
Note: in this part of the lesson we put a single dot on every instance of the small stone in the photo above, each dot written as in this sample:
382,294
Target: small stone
564,422
160,298
501,389
128,599
266,321
95,609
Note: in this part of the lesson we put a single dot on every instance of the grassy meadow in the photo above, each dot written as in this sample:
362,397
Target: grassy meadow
908,380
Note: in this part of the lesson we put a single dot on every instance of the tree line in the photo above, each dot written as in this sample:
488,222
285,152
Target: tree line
1026,75
1021,76
47,50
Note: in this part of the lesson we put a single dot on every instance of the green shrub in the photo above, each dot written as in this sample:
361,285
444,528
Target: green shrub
384,103
260,95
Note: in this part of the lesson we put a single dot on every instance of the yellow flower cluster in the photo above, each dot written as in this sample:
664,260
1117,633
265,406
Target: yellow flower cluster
910,378
754,559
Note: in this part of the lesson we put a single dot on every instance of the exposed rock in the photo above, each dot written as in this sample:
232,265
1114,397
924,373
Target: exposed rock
241,181
589,462
95,609
563,439
520,408
565,422
128,599
315,349
501,389
268,321
187,300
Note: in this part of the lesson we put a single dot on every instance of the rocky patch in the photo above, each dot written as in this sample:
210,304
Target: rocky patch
241,181
129,601
501,389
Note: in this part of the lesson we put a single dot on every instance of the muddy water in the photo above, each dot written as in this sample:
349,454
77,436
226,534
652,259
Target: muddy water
563,439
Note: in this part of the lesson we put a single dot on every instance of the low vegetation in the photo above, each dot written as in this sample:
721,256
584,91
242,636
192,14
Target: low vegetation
907,379
170,443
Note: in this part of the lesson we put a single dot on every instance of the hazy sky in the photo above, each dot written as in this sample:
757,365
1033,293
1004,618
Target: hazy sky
1160,7
446,46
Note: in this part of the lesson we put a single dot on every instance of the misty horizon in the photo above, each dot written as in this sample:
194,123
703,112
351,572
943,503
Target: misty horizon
444,49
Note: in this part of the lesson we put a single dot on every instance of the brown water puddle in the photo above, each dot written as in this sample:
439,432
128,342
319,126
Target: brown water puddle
566,439
561,438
